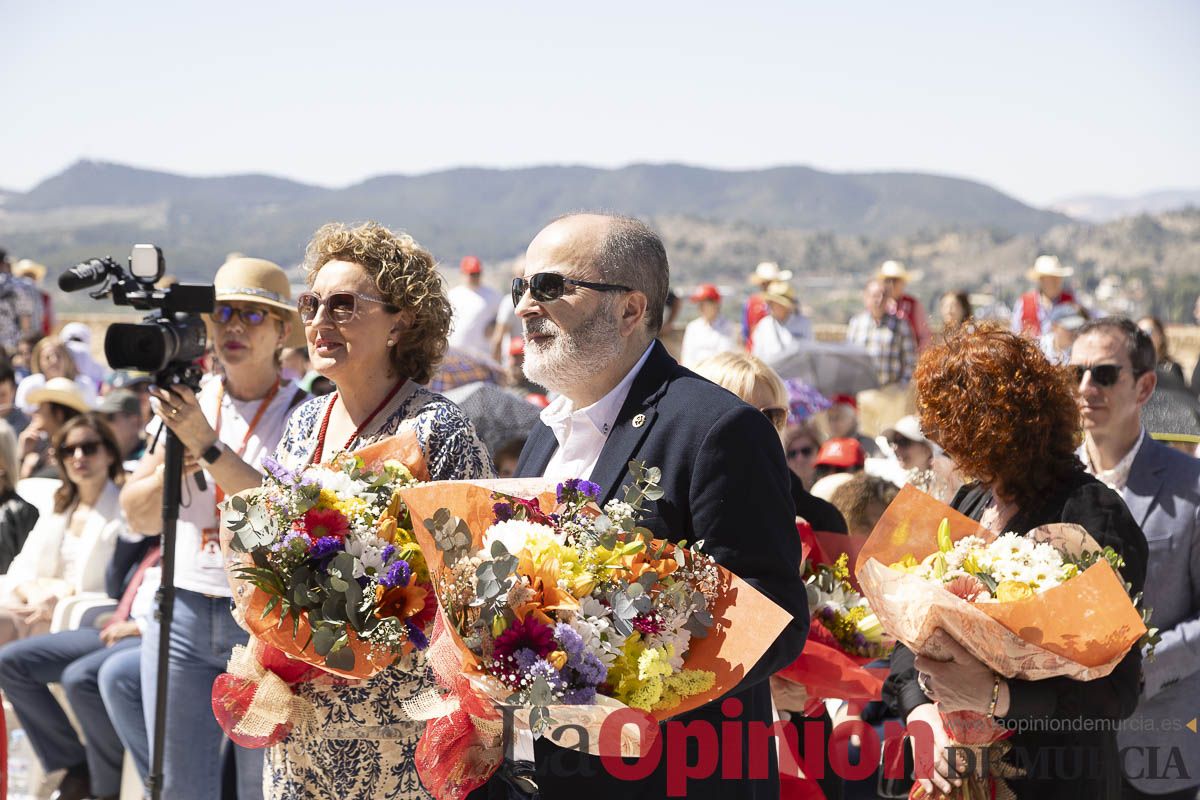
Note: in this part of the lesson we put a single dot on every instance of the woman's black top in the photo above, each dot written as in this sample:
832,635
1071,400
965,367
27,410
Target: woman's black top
17,519
1065,729
822,515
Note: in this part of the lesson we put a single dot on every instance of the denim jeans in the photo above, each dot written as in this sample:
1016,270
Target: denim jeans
121,689
73,659
203,635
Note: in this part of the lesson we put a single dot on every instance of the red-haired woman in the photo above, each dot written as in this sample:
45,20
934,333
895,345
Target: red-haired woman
1009,420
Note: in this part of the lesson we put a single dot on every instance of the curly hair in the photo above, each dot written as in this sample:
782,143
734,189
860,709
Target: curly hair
1005,414
405,274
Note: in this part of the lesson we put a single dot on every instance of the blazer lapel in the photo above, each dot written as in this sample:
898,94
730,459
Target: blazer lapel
1145,480
536,453
633,422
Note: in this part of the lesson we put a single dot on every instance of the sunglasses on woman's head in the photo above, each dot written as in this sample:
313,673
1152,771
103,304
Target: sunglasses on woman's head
253,317
341,306
546,286
1102,374
88,449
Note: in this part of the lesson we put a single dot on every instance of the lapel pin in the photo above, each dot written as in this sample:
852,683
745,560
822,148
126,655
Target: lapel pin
639,420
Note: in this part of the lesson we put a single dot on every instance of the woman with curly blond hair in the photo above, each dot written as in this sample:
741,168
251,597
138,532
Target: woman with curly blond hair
1009,419
376,320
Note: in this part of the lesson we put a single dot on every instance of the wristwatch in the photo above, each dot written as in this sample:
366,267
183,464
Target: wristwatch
209,456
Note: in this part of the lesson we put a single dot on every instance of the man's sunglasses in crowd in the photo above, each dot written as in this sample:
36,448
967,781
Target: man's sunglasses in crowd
1102,374
340,306
806,451
546,286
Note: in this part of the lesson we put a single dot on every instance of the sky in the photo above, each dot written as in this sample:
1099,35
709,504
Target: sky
1042,100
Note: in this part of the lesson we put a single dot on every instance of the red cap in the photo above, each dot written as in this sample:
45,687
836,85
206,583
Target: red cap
706,291
538,399
470,265
841,453
516,346
845,400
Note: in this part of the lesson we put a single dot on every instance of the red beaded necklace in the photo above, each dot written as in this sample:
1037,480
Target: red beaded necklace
320,448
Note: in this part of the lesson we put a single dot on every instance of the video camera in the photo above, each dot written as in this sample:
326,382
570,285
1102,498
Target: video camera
167,342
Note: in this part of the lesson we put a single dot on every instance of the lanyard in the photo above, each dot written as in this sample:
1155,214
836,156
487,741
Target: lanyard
320,448
258,415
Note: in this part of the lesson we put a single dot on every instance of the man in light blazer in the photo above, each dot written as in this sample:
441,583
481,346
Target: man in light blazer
1114,362
591,303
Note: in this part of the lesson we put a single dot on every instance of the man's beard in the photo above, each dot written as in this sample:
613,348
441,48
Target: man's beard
571,358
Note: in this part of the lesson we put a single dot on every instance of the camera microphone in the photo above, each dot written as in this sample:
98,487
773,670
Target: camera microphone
87,273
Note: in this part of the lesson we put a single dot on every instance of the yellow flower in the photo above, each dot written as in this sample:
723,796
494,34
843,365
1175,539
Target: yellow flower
1011,591
945,543
906,564
557,659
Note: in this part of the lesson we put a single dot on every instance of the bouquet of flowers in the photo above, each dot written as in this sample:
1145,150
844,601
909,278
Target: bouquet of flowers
328,577
333,553
572,612
1046,604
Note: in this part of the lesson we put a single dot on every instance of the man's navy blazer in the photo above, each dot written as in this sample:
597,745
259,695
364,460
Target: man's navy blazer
725,481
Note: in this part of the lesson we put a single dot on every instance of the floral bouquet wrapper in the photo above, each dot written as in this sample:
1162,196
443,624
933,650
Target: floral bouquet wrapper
744,621
1080,629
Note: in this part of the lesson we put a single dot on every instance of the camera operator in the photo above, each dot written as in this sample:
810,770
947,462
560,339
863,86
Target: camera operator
226,429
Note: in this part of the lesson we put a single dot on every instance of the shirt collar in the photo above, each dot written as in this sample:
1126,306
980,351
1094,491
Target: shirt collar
1117,477
561,415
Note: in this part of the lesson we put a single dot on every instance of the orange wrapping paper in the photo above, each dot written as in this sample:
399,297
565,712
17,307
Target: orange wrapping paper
277,632
747,623
1080,629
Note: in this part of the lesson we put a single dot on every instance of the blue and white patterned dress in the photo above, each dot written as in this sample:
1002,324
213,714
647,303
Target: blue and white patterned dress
363,745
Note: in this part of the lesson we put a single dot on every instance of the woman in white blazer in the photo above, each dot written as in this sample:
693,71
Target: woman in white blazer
67,552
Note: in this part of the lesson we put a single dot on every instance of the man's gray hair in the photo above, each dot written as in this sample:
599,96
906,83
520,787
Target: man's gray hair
633,255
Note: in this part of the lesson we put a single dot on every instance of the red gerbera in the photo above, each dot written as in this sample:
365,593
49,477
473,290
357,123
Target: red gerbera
322,522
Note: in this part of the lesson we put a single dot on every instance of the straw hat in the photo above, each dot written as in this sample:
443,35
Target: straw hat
28,268
782,293
897,270
1049,267
769,271
256,280
63,391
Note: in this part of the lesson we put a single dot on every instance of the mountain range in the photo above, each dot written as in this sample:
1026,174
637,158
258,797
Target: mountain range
101,208
1104,208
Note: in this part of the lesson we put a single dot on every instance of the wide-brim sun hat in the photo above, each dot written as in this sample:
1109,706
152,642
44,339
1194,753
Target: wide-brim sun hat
781,293
897,271
63,391
29,268
768,271
1049,267
256,280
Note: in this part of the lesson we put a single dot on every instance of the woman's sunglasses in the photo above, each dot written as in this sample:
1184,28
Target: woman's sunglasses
777,415
88,449
1102,374
341,306
251,316
546,286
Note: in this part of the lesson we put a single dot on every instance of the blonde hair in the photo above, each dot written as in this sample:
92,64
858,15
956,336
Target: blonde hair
8,458
49,343
405,274
748,377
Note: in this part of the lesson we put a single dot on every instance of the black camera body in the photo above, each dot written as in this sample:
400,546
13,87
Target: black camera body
170,340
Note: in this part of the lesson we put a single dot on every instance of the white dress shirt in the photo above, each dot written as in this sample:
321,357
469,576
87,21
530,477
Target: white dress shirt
581,433
1117,477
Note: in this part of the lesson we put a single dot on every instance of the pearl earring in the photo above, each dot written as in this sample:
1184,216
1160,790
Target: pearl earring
391,343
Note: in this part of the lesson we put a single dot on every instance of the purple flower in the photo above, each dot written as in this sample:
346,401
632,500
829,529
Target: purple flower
387,552
571,641
524,659
582,696
590,671
416,636
544,669
397,575
288,539
326,546
577,486
502,511
278,471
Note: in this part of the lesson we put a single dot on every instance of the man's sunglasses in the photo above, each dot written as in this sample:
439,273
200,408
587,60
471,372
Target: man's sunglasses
88,449
546,286
253,317
1102,374
341,306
